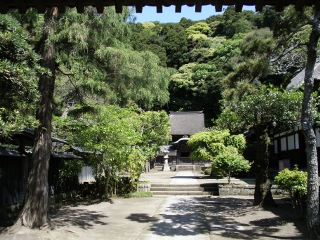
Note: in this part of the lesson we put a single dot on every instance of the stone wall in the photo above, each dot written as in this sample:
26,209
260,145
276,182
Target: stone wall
245,190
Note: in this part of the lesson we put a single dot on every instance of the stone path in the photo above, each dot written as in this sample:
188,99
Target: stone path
177,220
184,177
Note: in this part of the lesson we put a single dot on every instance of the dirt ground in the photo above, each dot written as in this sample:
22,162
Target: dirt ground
168,217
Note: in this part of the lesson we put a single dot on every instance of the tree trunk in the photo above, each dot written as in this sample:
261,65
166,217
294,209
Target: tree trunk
35,210
107,180
262,192
310,138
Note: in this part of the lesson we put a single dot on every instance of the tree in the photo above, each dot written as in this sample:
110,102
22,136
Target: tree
222,149
251,65
191,88
97,65
155,131
267,108
230,162
313,220
121,139
199,27
146,37
232,23
174,40
35,210
111,134
18,78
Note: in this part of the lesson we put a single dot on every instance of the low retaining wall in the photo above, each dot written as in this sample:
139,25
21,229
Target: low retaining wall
225,189
245,190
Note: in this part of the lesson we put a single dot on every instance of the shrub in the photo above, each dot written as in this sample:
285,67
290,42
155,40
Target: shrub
138,194
229,163
295,183
207,171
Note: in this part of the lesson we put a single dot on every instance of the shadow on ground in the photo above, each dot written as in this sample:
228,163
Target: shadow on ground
81,218
232,218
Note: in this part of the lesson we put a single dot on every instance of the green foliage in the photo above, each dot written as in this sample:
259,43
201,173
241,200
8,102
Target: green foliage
155,129
236,141
222,149
121,140
12,122
18,77
232,23
97,65
174,40
146,37
138,195
110,134
199,27
267,106
69,171
197,83
258,42
230,162
207,171
295,183
228,49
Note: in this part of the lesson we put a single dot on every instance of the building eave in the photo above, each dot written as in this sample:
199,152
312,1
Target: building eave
41,6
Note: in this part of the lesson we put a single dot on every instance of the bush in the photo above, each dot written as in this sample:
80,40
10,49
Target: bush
230,163
138,194
207,171
295,183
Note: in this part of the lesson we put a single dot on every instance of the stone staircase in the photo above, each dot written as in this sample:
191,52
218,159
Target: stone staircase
185,189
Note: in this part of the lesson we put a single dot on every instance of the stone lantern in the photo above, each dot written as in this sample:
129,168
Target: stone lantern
166,166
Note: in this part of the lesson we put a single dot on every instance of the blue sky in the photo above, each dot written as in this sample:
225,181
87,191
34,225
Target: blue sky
168,14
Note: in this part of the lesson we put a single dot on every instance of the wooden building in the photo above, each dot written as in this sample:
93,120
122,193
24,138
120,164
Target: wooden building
289,147
15,165
182,126
13,176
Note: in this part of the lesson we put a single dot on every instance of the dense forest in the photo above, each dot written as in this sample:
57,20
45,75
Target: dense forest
109,59
226,56
108,81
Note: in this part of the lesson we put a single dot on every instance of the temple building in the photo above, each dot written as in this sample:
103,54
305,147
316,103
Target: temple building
183,125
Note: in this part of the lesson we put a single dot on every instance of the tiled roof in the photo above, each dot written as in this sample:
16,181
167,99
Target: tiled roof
10,153
186,123
298,80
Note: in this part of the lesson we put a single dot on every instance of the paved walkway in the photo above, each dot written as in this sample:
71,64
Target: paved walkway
184,177
169,217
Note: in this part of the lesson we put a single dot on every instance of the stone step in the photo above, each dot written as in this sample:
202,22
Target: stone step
183,193
185,189
188,168
203,185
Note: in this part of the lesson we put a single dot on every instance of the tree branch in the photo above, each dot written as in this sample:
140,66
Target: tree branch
287,51
69,75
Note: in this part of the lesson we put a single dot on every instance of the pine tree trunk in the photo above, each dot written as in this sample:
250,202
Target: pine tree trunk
35,210
310,138
262,192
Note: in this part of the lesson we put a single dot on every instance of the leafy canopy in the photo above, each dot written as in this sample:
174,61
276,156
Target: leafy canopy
222,149
18,77
267,106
